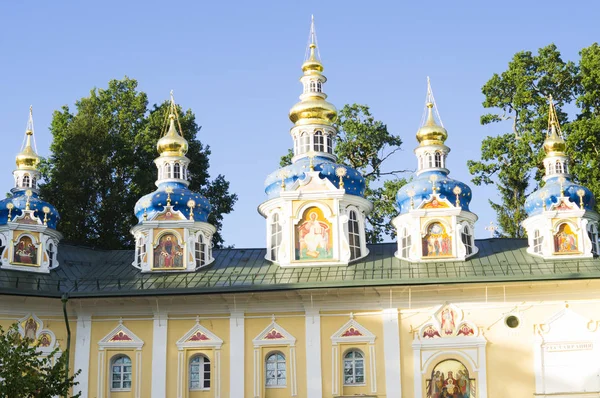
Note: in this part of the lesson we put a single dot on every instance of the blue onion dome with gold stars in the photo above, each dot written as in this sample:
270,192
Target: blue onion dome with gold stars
172,184
25,194
432,173
558,181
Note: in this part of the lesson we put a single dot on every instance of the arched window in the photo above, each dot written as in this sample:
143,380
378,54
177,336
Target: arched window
275,371
354,368
50,252
593,235
537,241
353,235
26,180
305,87
167,171
276,235
550,168
141,248
199,373
438,159
313,86
120,373
406,242
319,142
296,146
319,87
421,165
177,170
329,144
304,143
467,239
33,182
430,159
200,251
559,167
1,246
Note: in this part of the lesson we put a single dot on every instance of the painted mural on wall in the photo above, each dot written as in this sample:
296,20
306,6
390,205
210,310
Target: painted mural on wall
168,253
450,378
447,321
437,243
565,240
32,328
313,236
25,252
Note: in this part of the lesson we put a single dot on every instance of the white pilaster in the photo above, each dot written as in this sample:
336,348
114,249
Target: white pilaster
236,355
391,353
314,383
159,356
82,353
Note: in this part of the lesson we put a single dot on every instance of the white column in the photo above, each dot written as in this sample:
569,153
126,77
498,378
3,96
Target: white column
314,382
391,353
236,355
159,356
82,353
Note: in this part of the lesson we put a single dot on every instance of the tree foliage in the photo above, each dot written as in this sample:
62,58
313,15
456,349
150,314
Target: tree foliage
513,160
365,144
24,373
101,164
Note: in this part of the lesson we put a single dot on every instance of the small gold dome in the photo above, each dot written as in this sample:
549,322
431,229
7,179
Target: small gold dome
554,144
172,143
431,133
312,63
313,110
27,158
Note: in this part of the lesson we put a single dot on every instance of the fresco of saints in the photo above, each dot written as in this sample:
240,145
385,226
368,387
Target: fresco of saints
44,340
313,238
25,251
448,324
30,329
450,378
565,241
168,253
437,243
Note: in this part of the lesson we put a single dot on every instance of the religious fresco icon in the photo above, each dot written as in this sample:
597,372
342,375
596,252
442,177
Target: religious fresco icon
450,378
313,236
25,252
168,253
435,203
565,240
437,243
30,328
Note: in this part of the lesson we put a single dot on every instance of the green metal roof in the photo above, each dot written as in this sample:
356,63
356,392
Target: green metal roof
85,272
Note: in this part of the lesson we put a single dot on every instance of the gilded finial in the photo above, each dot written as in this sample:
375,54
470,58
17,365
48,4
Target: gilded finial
411,194
431,132
28,193
10,206
340,172
146,204
457,191
554,144
561,181
581,194
283,174
169,191
311,164
433,180
543,196
46,210
191,203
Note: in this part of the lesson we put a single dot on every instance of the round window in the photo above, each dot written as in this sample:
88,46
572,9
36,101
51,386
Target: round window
512,321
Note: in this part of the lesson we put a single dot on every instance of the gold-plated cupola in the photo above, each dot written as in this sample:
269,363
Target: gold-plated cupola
172,143
313,107
28,159
431,132
554,144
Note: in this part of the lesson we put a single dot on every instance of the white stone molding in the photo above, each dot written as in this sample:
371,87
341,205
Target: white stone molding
391,353
236,354
159,355
82,353
352,332
566,349
314,382
274,335
198,337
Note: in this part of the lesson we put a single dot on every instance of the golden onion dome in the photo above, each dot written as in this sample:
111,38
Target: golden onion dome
554,144
431,133
27,158
312,63
313,110
172,143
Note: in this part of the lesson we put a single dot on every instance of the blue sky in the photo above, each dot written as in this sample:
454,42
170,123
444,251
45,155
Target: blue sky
237,64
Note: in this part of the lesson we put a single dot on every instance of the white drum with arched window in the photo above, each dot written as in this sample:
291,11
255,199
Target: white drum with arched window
275,370
120,379
199,373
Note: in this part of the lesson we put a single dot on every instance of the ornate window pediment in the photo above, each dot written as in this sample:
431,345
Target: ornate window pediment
122,337
169,214
274,334
199,336
352,331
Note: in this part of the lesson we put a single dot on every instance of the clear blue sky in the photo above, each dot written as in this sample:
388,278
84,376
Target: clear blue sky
237,64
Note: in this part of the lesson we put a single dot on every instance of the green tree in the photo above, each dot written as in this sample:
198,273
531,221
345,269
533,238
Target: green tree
24,373
512,160
365,144
101,164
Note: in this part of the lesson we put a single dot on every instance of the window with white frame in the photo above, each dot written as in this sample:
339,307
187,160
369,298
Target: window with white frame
319,142
467,239
304,143
406,242
50,252
537,241
199,373
33,182
26,180
200,251
421,165
438,159
275,370
120,373
593,235
354,368
550,168
353,235
329,144
559,167
276,235
430,158
176,171
167,171
319,87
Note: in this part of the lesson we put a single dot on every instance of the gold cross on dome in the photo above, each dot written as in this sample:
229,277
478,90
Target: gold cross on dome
169,191
433,180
